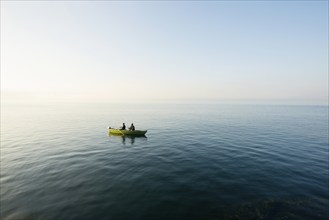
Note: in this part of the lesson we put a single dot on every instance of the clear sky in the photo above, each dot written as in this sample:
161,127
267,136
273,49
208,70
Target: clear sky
149,50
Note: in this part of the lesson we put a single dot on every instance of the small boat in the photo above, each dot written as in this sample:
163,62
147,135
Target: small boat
127,132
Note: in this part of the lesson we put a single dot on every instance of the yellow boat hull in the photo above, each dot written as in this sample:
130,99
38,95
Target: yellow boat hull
127,132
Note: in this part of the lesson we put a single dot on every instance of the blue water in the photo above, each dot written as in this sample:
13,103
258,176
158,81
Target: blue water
197,161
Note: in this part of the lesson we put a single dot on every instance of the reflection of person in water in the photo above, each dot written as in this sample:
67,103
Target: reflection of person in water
132,140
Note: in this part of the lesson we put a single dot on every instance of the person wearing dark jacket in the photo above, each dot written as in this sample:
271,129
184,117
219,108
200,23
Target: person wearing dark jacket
123,127
132,127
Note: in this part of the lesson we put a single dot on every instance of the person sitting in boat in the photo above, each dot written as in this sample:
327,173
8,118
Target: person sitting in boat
132,127
123,127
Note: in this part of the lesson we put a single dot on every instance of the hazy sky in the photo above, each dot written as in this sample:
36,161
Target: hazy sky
107,50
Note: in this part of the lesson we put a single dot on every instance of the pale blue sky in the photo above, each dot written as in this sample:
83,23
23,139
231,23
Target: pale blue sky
148,50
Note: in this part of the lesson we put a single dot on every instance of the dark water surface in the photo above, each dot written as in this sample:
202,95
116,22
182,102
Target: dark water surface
198,161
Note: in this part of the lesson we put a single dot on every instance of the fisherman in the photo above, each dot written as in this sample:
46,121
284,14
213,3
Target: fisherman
123,127
132,127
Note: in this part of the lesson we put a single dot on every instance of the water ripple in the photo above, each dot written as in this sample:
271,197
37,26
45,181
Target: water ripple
197,162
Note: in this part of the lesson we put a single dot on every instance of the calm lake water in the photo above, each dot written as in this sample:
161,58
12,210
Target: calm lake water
197,161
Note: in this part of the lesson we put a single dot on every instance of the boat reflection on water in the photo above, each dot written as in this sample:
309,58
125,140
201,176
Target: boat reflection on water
127,139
